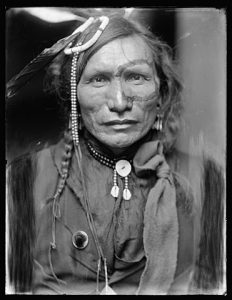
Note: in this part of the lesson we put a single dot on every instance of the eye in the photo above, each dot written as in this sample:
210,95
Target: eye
136,78
99,80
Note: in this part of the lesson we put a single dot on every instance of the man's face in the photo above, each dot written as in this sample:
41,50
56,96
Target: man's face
117,93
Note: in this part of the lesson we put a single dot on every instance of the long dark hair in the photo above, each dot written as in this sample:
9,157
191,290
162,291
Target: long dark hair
58,74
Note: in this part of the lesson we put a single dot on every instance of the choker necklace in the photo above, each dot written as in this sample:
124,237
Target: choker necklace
121,167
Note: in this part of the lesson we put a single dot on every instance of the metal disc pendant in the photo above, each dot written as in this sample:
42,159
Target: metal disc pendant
80,239
126,194
115,191
123,167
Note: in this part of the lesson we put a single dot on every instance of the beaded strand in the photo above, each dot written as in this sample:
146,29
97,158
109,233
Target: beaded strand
74,114
115,189
101,158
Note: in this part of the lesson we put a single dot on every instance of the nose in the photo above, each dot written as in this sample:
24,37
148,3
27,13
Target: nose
117,100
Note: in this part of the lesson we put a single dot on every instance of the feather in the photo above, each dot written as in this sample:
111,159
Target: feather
36,65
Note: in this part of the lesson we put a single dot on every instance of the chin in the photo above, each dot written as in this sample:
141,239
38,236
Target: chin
119,141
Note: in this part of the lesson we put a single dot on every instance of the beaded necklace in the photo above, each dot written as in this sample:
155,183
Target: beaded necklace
121,167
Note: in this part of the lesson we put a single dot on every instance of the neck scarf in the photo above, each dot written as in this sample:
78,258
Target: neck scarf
160,234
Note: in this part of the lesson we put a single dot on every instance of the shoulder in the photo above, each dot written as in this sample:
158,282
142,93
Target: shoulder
44,161
37,160
21,168
46,174
197,176
36,169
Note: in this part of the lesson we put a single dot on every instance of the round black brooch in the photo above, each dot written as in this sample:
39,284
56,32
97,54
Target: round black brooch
80,239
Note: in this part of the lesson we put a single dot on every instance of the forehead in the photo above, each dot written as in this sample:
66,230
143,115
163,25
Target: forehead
121,52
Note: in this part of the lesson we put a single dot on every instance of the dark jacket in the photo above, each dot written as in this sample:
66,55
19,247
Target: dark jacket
72,271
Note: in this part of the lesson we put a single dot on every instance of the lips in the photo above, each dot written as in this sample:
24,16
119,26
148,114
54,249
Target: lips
120,122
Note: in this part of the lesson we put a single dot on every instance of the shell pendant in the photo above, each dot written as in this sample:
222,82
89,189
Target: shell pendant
123,168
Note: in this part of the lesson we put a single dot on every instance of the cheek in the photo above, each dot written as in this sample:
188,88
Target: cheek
147,102
88,101
92,107
146,94
147,111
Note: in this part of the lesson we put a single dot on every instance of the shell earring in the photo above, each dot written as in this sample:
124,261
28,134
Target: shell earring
158,125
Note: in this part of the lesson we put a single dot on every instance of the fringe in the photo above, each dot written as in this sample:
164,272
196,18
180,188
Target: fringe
208,276
21,218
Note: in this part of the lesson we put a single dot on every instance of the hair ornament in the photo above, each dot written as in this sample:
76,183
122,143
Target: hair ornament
77,49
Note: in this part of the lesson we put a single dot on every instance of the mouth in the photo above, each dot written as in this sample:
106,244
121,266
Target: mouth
120,122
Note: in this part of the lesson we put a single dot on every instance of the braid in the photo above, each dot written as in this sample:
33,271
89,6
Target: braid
66,158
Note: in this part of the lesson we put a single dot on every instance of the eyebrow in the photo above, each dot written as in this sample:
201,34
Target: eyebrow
98,70
132,63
